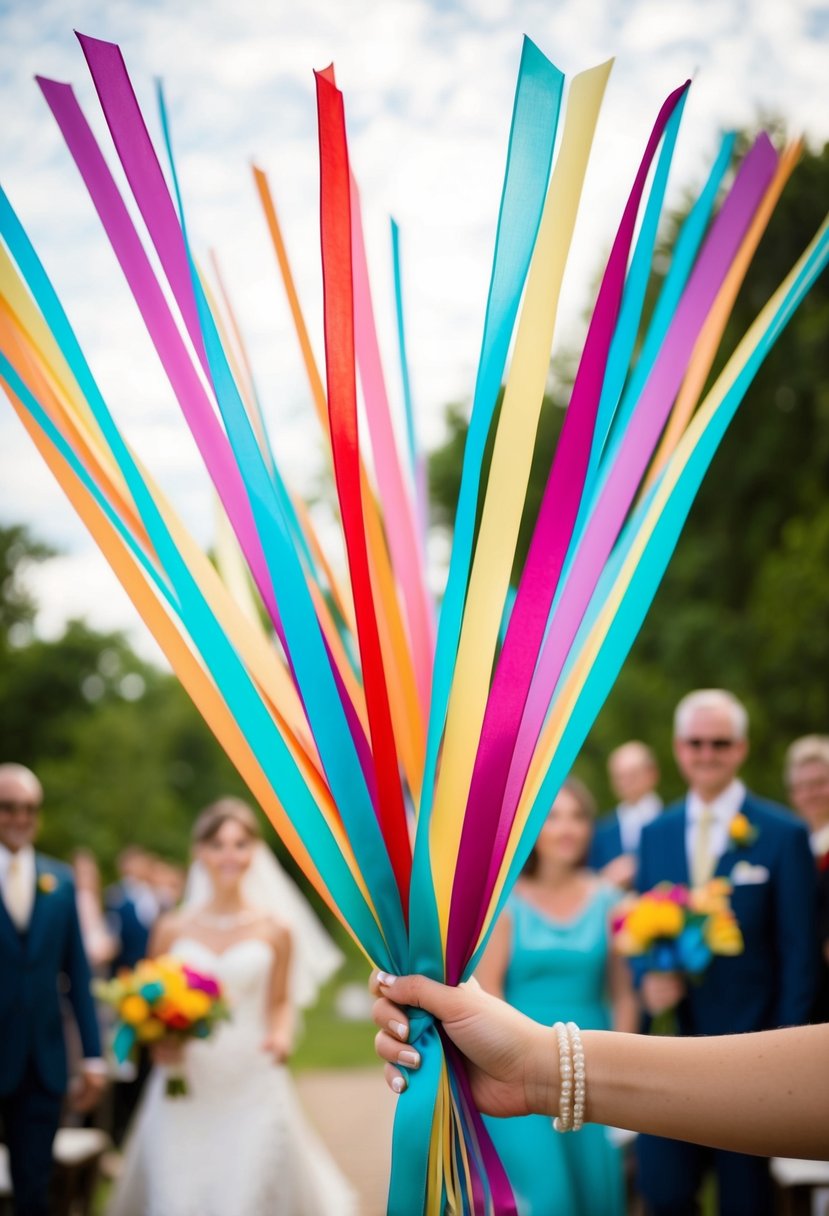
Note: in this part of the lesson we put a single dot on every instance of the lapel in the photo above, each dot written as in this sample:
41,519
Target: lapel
616,835
678,854
8,927
735,852
40,911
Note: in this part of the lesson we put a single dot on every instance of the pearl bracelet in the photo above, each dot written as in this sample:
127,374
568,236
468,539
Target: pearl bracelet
573,1091
565,1070
579,1089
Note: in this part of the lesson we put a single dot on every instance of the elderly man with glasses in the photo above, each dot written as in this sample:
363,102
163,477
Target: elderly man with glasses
720,829
40,952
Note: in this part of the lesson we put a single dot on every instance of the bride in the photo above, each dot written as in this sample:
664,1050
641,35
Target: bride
237,1144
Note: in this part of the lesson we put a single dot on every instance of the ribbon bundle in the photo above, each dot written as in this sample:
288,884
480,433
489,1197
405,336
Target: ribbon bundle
409,773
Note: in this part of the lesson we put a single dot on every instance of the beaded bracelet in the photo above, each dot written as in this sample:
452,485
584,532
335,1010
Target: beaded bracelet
573,1092
565,1069
579,1088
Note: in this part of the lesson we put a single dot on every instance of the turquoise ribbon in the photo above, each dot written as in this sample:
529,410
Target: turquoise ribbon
653,562
241,694
529,156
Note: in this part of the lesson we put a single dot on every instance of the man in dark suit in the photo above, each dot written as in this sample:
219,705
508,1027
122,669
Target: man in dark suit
634,778
40,949
721,829
131,906
807,780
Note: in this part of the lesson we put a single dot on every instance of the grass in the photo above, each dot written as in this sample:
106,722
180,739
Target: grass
328,1040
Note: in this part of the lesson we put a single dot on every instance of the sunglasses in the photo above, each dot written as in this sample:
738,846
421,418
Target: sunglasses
717,745
9,808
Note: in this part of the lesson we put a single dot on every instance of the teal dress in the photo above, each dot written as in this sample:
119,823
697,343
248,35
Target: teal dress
558,972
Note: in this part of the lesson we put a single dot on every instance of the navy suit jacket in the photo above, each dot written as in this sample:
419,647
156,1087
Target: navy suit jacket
125,922
31,966
772,983
606,845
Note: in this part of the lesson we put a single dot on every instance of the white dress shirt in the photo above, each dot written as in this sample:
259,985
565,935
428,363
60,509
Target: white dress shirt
25,859
819,841
633,817
723,809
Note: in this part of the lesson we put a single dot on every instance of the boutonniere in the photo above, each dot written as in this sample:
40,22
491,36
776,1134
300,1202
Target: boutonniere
47,883
742,832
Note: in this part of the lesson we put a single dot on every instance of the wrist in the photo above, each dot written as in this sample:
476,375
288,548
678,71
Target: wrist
543,1084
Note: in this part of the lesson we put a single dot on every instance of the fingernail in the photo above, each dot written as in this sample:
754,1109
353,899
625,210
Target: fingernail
385,980
410,1058
400,1029
398,1084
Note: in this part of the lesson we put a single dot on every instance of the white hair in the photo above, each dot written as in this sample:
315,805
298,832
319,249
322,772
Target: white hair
19,772
708,699
811,749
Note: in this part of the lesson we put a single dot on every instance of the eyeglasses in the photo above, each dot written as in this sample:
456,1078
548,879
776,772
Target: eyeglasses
717,745
8,807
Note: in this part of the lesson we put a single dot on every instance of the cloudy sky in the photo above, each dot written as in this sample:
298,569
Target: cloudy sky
428,86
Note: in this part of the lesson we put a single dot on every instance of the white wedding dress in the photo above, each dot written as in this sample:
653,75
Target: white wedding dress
238,1143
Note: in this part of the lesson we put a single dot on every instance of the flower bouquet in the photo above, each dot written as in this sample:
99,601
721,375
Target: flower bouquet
159,999
678,929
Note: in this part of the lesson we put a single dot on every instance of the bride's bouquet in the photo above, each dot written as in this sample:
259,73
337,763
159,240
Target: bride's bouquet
160,999
679,929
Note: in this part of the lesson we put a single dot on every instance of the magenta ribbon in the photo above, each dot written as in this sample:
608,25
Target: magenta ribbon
539,581
635,452
137,155
130,135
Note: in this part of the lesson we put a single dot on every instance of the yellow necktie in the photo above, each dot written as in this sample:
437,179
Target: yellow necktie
702,862
17,896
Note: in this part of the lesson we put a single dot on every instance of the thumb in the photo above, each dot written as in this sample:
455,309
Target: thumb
419,992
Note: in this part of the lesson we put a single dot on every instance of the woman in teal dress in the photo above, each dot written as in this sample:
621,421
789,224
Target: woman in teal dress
550,956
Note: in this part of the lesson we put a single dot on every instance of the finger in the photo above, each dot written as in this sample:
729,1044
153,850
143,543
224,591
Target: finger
392,1051
390,1017
422,993
395,1079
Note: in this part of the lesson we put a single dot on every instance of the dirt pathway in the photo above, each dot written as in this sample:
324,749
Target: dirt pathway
353,1110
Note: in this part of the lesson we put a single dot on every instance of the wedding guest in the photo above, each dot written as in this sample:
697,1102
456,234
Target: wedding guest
807,780
634,779
131,905
40,942
550,956
764,1092
167,880
722,829
100,943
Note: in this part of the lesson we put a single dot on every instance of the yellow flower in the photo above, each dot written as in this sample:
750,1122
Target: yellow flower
47,883
654,918
134,1009
194,1004
741,830
722,933
151,1030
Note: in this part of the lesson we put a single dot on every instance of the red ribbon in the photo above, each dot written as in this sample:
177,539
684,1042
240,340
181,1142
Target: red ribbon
338,307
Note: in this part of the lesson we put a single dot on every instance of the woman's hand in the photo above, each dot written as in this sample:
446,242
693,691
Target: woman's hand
279,1045
168,1052
512,1062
